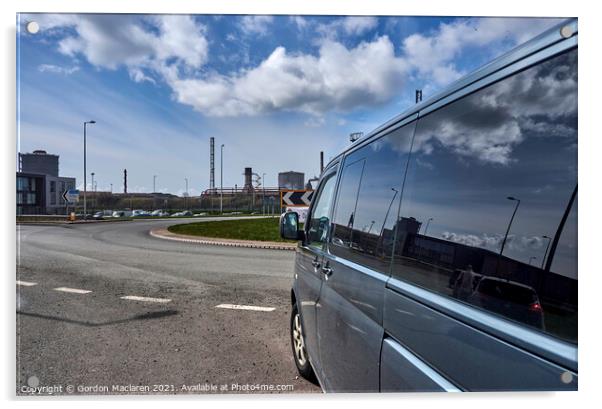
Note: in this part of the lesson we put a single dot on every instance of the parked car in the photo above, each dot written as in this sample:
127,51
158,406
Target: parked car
98,215
119,213
140,213
509,298
413,270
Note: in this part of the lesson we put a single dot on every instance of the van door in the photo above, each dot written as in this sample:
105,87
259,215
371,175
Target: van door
309,260
356,266
483,287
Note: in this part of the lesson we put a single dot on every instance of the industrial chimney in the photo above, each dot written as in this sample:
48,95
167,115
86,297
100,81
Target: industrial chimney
248,187
125,181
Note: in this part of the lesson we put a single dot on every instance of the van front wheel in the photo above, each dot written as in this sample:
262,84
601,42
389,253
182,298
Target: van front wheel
298,344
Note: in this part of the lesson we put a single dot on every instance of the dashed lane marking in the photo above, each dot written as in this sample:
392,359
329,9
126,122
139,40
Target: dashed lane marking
145,299
244,307
25,283
72,290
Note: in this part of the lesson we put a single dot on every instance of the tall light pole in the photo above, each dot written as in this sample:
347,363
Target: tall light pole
93,190
221,179
510,223
547,248
427,225
263,192
186,194
85,188
111,188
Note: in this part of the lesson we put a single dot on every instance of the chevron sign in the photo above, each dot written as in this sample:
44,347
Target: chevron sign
295,198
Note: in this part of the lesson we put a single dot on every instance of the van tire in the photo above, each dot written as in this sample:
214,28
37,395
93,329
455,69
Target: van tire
298,344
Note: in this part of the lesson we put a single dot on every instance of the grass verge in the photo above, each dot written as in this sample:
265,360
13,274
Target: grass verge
264,229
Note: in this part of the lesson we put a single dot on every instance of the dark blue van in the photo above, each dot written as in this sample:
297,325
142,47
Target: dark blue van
440,251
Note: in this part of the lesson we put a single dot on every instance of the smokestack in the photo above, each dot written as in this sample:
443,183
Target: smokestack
125,181
248,187
212,163
321,161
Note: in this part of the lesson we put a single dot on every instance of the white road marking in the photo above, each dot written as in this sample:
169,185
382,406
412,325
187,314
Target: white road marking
25,283
72,290
244,307
147,299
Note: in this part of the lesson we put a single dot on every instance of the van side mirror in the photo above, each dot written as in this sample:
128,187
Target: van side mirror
289,226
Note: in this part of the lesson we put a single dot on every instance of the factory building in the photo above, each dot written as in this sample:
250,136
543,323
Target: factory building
39,186
291,180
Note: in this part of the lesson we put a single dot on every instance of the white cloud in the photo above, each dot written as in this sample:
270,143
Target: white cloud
110,41
494,241
337,79
256,24
55,69
350,26
484,240
433,55
174,49
299,21
492,122
359,25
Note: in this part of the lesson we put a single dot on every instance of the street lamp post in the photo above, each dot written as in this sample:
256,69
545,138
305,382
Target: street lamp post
221,179
427,225
510,223
85,189
263,193
93,190
547,248
186,195
382,229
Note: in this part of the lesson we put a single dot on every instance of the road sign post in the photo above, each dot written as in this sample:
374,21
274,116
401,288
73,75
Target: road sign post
71,196
297,201
295,197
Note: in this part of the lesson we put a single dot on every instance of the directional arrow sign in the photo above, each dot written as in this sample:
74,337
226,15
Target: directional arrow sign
295,198
71,196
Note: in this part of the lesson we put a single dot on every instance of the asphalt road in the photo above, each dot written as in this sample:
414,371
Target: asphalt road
99,343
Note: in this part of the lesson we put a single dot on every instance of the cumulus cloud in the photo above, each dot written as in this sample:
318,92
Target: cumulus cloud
494,241
56,69
353,25
433,55
337,79
359,25
473,240
111,41
487,125
174,49
299,21
256,24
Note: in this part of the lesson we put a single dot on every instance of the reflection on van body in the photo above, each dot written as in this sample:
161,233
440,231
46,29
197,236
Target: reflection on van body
508,140
447,253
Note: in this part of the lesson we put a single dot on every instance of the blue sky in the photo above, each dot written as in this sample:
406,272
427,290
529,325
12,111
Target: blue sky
274,89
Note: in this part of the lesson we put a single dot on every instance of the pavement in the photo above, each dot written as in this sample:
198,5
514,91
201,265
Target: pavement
105,308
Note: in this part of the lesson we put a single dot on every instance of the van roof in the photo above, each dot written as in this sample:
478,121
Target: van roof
538,43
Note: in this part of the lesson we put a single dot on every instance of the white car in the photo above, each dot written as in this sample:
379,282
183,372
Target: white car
140,213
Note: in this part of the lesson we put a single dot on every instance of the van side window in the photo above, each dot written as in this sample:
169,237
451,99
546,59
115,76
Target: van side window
491,177
368,200
319,221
